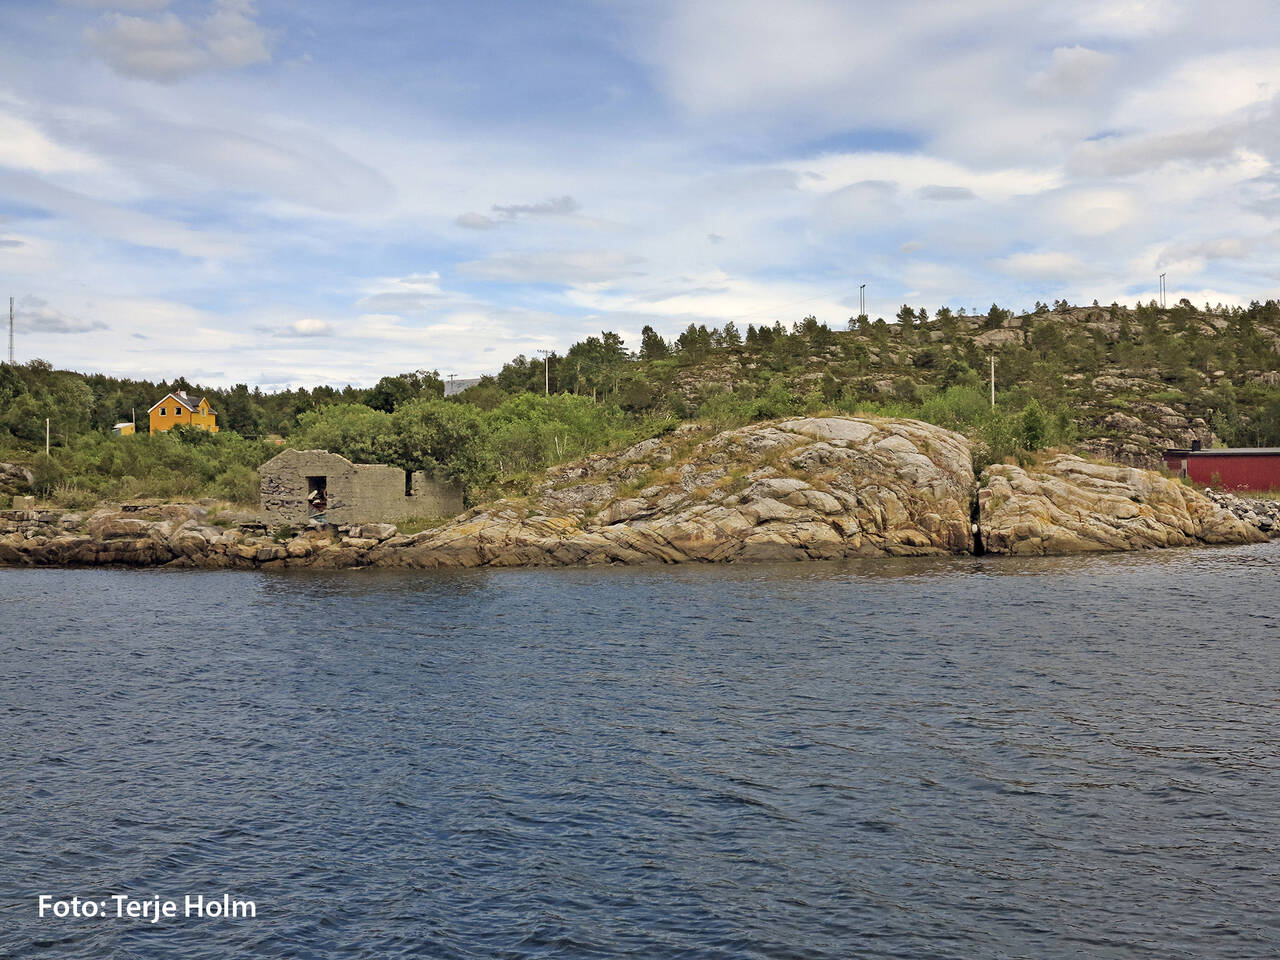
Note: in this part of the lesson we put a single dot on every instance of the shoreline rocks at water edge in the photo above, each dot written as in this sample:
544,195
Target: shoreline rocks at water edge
795,489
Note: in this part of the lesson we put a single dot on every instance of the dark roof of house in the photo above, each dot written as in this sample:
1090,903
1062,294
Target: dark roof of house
183,398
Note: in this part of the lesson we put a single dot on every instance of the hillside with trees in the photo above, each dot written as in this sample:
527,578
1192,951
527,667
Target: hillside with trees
1113,382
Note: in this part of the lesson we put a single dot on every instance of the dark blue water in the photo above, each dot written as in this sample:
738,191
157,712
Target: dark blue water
961,758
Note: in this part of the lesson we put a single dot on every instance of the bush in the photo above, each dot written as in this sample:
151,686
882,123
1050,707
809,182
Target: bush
238,483
956,408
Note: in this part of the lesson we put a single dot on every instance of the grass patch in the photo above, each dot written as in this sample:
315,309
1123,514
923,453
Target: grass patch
418,524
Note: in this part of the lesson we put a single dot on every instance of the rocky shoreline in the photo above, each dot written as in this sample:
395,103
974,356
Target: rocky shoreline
803,488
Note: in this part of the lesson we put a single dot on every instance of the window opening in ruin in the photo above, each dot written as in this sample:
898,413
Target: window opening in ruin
317,496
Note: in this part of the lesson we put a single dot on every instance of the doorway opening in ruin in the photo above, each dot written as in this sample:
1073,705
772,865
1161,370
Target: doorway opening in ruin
317,496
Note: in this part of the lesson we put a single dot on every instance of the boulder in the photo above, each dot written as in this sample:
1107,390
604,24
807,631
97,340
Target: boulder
803,488
1070,505
374,531
113,527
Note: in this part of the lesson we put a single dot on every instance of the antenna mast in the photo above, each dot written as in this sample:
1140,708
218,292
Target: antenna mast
11,331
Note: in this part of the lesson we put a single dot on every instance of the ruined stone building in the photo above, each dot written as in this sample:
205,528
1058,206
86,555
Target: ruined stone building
301,485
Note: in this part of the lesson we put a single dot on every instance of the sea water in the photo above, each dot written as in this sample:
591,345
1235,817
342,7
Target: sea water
900,758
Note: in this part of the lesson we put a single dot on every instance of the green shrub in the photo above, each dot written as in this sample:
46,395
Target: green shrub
237,483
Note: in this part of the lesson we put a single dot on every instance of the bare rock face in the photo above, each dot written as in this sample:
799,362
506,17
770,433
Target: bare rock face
1069,505
797,489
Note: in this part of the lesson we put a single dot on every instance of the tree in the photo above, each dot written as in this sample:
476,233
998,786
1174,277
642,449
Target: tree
390,392
695,342
430,433
594,364
818,334
1034,426
959,373
355,431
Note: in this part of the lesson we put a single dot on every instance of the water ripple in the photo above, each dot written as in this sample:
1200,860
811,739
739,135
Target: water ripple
905,758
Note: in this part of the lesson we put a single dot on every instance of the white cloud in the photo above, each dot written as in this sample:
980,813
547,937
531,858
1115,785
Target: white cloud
168,48
232,37
921,171
476,221
556,206
868,204
396,295
720,56
1073,71
26,147
132,6
775,157
285,160
710,297
34,315
311,327
509,212
1203,91
163,49
590,266
936,283
1093,212
1122,18
943,193
1121,156
109,220
1042,265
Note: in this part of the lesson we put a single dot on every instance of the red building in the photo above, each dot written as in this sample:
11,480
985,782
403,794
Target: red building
1228,468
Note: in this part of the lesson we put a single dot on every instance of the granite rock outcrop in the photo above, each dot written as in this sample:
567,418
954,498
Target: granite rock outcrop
805,488
1070,505
794,489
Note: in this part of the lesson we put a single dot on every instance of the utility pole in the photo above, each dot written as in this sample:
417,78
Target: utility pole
862,300
1162,288
451,391
546,369
993,381
46,436
11,331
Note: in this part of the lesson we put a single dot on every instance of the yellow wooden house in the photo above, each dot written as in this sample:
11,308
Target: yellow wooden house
179,409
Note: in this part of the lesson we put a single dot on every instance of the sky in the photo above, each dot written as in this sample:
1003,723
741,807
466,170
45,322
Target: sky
287,194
